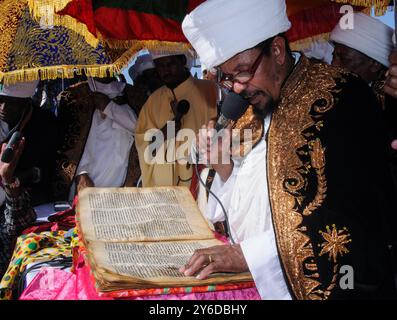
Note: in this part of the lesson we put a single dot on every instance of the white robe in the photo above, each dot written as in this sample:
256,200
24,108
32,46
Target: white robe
106,153
245,197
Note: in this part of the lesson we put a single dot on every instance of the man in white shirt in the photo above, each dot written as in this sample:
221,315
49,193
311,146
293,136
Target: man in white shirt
98,130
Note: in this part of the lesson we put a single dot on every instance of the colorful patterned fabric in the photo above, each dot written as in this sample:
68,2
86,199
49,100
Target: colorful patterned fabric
16,215
36,43
79,286
33,248
34,47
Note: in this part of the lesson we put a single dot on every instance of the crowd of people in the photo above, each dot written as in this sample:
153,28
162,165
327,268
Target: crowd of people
315,192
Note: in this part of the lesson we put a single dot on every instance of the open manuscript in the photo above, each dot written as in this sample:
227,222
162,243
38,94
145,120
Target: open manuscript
138,238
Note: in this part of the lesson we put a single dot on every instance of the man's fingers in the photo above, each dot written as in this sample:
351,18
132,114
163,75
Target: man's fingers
199,262
196,262
209,269
3,147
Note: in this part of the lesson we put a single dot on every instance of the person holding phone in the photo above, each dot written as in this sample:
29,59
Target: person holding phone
16,212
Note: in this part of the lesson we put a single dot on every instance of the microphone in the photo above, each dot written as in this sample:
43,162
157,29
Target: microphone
8,153
182,109
232,109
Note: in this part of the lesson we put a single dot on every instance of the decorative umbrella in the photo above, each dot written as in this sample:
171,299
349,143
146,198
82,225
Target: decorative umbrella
35,43
156,24
313,20
134,25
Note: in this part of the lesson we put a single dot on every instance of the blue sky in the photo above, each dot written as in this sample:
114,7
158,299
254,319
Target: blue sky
388,19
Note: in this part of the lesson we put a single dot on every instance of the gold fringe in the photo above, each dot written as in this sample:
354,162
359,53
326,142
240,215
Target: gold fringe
45,12
380,6
101,71
300,45
148,44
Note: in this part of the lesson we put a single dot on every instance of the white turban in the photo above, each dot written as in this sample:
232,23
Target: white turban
220,29
143,62
20,90
189,54
369,36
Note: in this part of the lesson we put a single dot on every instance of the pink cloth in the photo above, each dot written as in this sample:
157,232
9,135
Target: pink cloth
56,284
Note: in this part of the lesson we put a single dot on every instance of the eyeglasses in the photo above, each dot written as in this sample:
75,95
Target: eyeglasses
227,80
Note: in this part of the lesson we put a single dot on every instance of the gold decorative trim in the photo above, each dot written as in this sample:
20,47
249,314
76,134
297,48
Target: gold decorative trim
294,154
335,242
46,12
249,121
318,163
101,71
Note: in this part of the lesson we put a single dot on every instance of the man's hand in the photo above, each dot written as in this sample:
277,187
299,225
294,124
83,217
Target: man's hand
83,181
217,154
99,100
228,258
7,169
391,80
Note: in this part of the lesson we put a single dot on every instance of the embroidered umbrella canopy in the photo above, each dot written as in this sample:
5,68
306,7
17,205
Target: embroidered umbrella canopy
133,24
313,20
36,43
156,24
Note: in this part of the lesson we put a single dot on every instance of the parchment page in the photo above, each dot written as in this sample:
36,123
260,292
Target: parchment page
140,214
150,264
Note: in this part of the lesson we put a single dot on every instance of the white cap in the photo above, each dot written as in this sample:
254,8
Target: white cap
143,62
20,90
157,54
220,29
369,36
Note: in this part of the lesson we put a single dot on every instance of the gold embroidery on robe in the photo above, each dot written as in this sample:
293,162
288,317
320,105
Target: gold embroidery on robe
305,98
335,242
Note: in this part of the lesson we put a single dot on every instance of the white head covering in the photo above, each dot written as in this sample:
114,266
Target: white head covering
220,29
369,36
143,62
157,54
321,50
20,90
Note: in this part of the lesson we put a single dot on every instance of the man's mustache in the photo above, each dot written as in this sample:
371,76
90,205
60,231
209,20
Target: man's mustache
249,95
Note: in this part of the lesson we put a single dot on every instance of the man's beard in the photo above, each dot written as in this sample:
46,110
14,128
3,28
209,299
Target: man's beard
261,111
268,109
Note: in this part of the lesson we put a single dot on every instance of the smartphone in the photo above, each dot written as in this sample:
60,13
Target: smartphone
62,206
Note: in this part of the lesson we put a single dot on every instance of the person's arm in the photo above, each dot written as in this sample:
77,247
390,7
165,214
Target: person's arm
83,180
18,212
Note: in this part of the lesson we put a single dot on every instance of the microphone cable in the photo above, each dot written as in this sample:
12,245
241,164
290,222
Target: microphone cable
227,224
